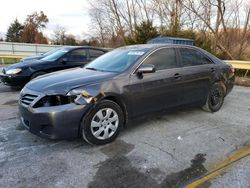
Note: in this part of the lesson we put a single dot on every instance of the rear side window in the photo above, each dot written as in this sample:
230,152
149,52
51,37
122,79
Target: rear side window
77,55
93,54
190,57
162,59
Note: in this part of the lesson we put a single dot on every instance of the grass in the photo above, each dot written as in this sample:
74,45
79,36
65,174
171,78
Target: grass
4,61
242,81
241,73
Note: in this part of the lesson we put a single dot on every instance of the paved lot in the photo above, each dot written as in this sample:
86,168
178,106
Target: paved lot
160,151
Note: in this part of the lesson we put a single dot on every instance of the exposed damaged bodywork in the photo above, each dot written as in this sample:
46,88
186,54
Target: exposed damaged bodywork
52,115
55,106
86,97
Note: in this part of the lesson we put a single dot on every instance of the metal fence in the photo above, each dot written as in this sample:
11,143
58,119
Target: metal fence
10,48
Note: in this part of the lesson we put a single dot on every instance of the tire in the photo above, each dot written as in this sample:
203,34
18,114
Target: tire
215,98
103,123
36,74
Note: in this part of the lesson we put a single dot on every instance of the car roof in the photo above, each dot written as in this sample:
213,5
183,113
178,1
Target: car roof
83,47
155,46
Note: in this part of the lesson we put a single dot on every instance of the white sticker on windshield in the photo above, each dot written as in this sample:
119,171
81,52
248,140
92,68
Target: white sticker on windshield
136,53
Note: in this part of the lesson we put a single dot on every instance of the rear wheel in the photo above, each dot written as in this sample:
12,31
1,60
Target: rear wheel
102,125
215,98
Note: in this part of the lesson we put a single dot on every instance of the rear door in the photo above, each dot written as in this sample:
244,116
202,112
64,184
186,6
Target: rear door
158,90
197,73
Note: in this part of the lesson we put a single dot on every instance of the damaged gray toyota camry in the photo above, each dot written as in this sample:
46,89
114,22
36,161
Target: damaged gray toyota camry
96,101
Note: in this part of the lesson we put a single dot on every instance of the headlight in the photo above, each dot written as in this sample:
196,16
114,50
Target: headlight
76,92
13,71
54,100
82,96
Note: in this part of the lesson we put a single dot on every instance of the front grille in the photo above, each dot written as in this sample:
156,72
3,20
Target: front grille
27,99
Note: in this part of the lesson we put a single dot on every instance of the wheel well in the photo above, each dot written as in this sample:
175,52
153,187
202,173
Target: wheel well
43,72
121,104
113,99
223,86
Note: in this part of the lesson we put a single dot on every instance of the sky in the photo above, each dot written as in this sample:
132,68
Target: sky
70,14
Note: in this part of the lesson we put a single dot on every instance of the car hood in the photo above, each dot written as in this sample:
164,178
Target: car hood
62,82
32,58
24,64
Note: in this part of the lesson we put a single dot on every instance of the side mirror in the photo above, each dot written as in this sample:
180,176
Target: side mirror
63,60
146,68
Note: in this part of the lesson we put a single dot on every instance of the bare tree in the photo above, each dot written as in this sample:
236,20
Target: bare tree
225,23
59,35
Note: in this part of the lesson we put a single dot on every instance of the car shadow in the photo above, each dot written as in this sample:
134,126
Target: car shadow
5,89
160,116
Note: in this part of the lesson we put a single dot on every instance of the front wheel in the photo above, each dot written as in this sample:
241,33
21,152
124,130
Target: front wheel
102,125
215,98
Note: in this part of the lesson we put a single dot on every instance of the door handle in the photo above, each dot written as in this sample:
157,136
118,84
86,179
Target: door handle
177,76
212,69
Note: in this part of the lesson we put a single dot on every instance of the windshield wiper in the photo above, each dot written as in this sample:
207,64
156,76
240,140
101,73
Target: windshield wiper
92,68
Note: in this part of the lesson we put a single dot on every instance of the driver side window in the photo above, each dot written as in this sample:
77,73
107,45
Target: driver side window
79,55
162,59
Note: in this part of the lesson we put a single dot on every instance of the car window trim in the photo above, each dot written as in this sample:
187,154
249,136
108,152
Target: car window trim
96,50
86,50
177,60
197,50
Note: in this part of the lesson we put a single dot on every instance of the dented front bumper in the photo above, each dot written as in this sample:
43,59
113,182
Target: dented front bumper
55,122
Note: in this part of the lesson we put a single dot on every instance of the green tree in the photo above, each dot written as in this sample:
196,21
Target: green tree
14,32
33,26
143,33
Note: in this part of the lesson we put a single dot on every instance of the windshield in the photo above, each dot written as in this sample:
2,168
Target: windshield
51,51
117,60
56,55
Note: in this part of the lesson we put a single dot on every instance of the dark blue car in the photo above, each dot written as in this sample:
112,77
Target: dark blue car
64,58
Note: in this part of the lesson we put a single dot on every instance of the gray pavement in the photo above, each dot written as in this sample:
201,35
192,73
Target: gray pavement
161,151
235,177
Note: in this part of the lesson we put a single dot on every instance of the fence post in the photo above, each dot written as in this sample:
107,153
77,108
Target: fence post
246,73
12,46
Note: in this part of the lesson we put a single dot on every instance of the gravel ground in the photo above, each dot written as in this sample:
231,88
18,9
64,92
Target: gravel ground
161,151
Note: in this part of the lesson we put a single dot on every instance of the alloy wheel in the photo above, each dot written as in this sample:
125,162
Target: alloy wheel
104,123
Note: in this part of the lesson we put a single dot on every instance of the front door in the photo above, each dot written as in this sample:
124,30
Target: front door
76,58
159,90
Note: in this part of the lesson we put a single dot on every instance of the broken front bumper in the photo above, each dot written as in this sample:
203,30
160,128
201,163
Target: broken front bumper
54,122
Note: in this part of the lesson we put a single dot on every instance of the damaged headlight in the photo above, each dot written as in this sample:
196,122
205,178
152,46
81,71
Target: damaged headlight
90,95
76,92
54,100
81,96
